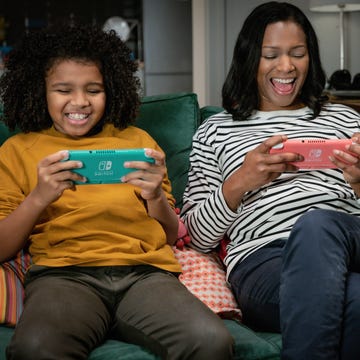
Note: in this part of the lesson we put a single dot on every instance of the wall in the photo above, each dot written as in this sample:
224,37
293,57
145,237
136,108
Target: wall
209,49
221,21
167,34
165,45
327,28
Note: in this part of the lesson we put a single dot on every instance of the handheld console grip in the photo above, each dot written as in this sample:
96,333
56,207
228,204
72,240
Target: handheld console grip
316,152
106,166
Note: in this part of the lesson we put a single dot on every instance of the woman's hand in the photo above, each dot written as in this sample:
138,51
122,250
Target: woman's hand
54,177
148,176
259,168
350,163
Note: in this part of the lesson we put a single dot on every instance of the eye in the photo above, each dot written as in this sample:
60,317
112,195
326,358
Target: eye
63,91
298,55
269,56
94,91
298,52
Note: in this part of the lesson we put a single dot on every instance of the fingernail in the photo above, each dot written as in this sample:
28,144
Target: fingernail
65,153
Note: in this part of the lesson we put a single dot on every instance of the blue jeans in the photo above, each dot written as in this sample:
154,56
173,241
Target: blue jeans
308,288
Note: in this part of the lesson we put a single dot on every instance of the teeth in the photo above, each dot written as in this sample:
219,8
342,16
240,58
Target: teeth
77,116
284,81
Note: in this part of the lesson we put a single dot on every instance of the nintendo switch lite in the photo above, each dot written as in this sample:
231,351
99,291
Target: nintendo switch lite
106,166
316,152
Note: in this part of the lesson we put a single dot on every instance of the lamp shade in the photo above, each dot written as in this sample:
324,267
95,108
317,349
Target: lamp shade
334,5
119,25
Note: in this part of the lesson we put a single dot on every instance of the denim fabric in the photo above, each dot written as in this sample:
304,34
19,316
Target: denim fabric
308,287
320,288
255,283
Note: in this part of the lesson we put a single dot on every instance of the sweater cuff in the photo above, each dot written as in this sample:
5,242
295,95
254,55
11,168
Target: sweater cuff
229,213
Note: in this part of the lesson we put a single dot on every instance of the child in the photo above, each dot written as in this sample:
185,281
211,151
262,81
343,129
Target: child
102,259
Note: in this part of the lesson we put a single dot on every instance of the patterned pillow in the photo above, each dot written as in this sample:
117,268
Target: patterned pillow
11,288
204,276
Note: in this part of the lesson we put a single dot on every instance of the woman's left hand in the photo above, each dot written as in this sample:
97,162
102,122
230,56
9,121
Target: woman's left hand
148,176
349,163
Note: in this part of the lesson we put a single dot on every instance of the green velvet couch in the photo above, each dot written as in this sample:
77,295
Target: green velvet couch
172,120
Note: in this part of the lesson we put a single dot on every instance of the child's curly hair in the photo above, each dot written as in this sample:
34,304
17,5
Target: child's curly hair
22,86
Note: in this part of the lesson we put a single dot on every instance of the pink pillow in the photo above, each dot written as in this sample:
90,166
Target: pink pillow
204,276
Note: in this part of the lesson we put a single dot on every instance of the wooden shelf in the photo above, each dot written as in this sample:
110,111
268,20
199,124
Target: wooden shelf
352,102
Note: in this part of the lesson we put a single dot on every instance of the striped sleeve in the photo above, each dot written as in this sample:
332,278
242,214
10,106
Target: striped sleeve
205,211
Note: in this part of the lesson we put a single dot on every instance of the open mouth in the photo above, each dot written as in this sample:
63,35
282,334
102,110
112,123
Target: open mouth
77,119
77,116
283,86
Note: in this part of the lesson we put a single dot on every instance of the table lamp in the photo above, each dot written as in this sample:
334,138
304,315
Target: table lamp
336,6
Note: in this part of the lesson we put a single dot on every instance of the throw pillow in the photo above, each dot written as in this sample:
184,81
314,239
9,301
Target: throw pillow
204,276
12,274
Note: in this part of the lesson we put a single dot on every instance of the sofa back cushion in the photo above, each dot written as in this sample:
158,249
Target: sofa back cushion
209,110
172,120
5,132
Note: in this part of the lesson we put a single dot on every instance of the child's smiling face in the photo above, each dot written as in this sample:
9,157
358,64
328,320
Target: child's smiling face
75,96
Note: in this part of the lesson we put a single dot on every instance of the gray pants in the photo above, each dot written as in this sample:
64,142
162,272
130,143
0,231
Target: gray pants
69,311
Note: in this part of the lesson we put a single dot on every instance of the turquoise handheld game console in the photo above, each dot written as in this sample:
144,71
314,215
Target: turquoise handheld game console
106,166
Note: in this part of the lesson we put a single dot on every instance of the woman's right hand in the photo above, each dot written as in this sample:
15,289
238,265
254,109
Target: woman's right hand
259,168
54,177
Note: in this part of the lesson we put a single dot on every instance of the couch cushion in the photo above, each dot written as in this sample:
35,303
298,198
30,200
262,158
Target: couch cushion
110,350
252,345
172,120
5,132
5,336
209,110
113,349
248,346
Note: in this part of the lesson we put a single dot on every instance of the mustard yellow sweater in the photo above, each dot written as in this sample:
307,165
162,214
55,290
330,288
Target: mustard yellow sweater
96,225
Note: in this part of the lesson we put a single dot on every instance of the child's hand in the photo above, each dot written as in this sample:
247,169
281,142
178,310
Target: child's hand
55,176
148,177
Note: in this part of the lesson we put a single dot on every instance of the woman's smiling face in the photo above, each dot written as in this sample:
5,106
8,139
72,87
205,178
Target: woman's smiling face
283,66
75,96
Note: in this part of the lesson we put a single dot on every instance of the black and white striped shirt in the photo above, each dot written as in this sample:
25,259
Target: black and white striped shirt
267,214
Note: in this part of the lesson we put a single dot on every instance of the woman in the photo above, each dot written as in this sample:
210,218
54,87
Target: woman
292,257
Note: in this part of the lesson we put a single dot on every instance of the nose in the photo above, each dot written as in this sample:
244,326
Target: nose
79,98
285,64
